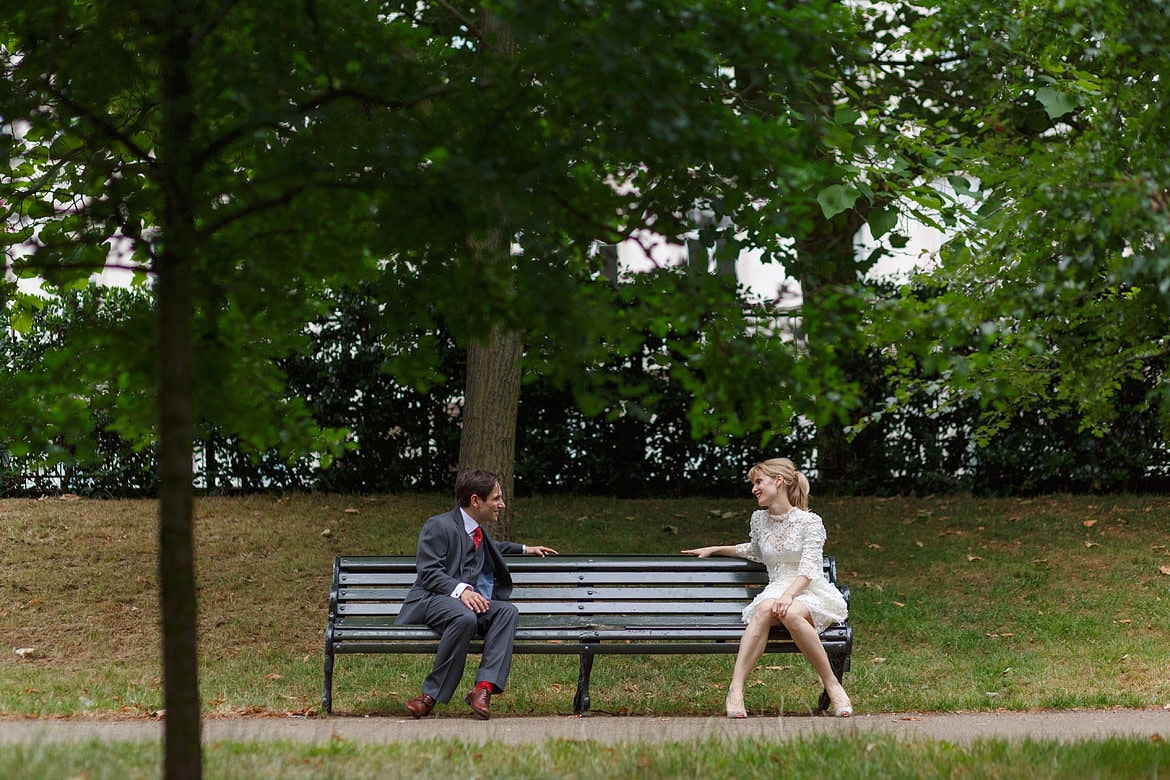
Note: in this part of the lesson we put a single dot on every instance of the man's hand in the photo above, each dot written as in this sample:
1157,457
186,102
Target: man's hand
539,549
474,601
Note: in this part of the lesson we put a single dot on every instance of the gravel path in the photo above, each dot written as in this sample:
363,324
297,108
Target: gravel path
952,727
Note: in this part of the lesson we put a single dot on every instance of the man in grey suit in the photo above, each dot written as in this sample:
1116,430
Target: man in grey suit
461,590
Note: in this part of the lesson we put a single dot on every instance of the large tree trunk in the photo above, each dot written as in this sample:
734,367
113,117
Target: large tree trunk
176,561
494,367
830,261
490,408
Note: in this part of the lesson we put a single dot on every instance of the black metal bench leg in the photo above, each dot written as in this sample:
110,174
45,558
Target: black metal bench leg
581,700
327,694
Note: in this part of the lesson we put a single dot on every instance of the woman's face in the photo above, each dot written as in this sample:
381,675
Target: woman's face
766,489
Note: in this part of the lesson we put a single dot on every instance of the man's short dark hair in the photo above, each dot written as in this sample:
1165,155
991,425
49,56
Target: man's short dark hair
476,482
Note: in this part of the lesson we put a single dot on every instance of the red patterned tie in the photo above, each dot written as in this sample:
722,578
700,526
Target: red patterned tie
477,536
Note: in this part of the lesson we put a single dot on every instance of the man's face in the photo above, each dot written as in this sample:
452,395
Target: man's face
487,511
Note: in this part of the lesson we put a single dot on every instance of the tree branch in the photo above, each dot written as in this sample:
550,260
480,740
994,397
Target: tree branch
329,96
102,123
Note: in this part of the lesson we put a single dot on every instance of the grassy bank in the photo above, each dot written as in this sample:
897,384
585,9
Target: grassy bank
958,604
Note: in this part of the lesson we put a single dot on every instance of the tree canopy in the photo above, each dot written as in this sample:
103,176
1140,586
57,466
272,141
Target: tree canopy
240,157
1054,300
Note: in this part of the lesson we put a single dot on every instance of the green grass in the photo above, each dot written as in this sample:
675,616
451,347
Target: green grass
957,604
798,758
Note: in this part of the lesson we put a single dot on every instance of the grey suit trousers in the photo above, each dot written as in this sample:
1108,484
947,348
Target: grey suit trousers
458,625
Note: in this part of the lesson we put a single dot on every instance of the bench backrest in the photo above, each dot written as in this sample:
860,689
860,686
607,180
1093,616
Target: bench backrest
676,588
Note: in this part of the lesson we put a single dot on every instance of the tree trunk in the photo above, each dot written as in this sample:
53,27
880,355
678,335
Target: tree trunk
830,261
176,561
490,409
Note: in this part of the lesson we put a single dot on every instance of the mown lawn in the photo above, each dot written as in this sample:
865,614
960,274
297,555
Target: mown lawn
957,604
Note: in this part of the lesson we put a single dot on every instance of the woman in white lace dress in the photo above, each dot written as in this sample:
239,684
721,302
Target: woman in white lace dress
790,541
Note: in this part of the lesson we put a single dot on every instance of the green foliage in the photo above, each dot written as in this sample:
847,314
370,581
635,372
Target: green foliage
343,144
1055,299
625,434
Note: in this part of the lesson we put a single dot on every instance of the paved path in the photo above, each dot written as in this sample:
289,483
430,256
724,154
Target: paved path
953,727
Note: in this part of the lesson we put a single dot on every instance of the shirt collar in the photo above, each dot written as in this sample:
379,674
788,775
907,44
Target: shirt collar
469,525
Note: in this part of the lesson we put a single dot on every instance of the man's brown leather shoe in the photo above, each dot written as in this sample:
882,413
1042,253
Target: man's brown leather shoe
480,700
420,706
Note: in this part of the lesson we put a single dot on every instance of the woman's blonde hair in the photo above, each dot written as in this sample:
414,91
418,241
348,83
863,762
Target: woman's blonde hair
795,483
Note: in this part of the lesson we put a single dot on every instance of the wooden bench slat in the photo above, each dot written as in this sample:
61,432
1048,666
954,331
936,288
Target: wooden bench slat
581,608
750,577
518,564
632,593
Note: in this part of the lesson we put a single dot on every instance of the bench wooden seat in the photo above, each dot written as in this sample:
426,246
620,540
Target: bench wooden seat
576,605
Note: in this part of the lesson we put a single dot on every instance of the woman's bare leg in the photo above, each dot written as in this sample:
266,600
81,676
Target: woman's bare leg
751,647
798,621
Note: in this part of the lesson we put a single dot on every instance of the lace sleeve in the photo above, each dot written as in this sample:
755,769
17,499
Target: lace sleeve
751,550
812,548
747,550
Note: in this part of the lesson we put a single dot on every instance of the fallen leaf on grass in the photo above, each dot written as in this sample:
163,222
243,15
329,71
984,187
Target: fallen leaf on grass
1164,569
349,510
973,558
1091,544
273,676
877,659
897,603
1089,523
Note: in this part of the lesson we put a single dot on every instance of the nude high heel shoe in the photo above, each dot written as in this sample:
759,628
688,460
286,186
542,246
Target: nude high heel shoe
734,706
845,710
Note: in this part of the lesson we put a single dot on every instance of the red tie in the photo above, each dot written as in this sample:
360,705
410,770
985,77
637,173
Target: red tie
477,536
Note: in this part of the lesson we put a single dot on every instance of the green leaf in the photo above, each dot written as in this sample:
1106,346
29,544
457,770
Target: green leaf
882,222
1056,103
836,198
961,185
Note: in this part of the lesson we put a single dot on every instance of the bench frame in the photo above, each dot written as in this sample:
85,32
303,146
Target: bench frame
577,605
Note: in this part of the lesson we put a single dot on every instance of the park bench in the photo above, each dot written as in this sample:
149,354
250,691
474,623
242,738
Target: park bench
576,605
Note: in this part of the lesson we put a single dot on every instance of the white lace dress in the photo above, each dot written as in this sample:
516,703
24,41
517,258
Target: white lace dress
790,545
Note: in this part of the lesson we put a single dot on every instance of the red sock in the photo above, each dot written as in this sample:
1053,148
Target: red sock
485,684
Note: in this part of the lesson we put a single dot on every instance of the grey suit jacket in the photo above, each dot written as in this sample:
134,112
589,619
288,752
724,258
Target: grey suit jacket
442,545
